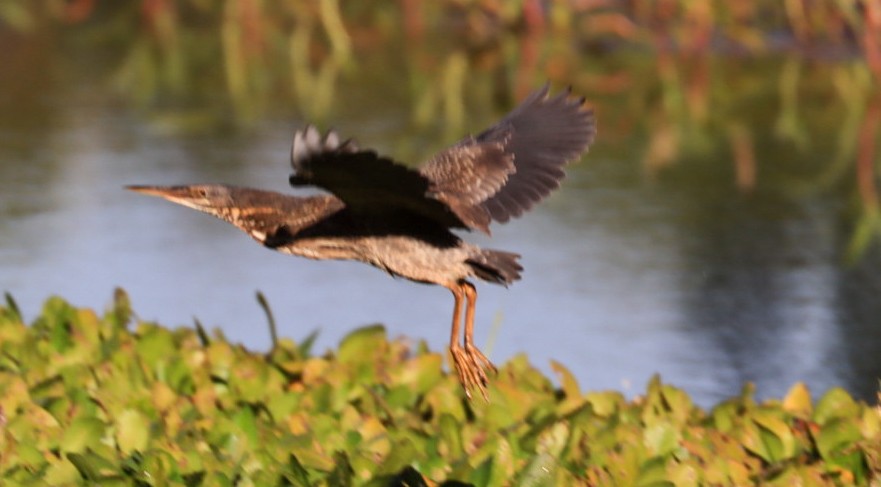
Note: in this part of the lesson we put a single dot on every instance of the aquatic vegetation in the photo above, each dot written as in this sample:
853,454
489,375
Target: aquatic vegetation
108,399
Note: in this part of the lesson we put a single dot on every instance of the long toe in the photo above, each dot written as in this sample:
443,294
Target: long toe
471,367
470,372
480,359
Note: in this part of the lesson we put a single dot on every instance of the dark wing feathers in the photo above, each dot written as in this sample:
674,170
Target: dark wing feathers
543,134
497,175
471,173
465,176
364,181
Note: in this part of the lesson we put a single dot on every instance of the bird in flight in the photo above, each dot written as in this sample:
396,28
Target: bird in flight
401,219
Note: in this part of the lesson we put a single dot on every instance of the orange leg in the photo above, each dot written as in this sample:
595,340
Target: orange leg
469,362
477,356
457,312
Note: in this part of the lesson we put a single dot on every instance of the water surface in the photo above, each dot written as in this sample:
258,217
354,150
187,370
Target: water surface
626,275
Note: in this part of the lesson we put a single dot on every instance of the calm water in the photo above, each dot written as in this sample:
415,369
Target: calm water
626,276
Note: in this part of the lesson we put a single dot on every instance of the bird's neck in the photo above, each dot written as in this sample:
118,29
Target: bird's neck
267,216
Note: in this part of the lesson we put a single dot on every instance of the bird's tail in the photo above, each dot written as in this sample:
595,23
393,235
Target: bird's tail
496,266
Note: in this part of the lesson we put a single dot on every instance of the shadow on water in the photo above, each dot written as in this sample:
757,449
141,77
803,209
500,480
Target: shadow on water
723,229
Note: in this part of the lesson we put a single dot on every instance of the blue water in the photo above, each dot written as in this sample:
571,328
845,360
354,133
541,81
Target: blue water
625,276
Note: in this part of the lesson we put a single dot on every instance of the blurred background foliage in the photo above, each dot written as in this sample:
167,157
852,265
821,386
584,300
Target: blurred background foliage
776,93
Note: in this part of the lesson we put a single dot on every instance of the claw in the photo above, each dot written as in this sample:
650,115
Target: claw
470,363
471,367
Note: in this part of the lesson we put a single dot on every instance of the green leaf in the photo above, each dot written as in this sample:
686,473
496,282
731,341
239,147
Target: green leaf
362,345
304,350
404,451
836,403
751,439
62,472
204,339
419,374
92,466
296,474
836,435
503,464
132,431
121,311
56,319
567,381
450,434
539,472
553,440
776,435
481,474
247,423
653,473
605,403
155,345
342,475
661,438
12,310
83,433
798,400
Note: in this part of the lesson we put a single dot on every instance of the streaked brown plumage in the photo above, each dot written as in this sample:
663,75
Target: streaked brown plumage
400,219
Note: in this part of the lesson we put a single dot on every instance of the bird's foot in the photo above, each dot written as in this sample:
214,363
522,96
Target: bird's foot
471,366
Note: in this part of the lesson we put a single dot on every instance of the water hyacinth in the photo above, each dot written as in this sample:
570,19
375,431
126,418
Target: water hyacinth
109,400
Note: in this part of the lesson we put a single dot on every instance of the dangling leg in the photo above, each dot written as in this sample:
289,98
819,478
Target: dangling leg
470,363
477,357
460,357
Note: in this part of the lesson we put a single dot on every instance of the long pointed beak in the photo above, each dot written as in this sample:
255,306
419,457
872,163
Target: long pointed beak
160,191
182,195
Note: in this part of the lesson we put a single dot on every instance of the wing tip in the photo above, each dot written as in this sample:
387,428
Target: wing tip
568,123
308,141
565,98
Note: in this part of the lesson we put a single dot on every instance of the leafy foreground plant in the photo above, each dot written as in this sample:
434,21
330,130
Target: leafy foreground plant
85,400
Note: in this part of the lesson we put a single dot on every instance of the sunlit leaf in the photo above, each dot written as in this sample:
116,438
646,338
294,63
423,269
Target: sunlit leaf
403,451
83,432
63,472
420,373
362,344
568,383
661,438
605,403
244,418
653,473
751,439
540,471
450,435
776,435
132,431
836,435
798,400
92,466
836,403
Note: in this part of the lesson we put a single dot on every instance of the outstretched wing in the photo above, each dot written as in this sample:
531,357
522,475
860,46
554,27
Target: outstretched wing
466,175
508,168
366,182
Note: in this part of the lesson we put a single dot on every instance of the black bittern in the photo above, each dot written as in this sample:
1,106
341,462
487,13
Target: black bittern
401,219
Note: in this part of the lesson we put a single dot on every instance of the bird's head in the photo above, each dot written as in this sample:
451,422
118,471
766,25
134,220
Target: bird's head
214,199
